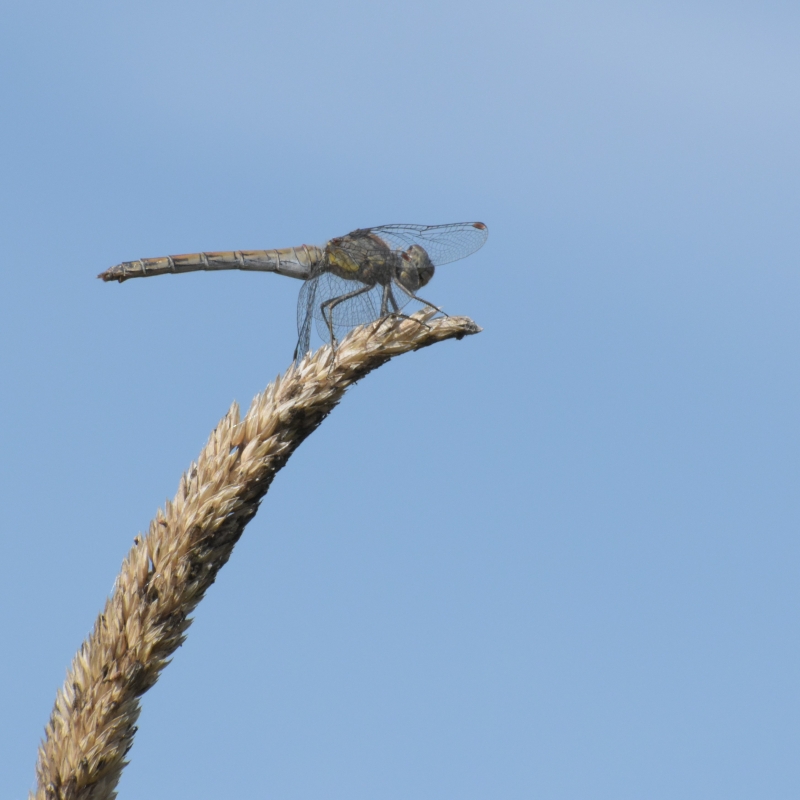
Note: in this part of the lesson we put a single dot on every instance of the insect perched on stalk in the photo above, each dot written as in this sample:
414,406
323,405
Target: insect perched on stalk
369,274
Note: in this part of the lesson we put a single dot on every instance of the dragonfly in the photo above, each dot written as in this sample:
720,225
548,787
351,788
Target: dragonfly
369,274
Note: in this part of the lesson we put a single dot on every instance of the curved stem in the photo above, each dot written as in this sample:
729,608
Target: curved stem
167,572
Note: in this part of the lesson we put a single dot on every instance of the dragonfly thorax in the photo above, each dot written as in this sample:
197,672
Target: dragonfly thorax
365,257
360,256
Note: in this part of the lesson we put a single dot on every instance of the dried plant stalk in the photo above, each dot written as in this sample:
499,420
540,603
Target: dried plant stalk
168,571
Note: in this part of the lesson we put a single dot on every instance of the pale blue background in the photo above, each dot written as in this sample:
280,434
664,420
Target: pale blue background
556,560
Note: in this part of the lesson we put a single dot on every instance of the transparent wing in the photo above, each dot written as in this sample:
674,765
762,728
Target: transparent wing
443,243
347,304
305,307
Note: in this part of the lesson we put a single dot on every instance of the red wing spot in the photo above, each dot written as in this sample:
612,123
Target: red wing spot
479,225
406,256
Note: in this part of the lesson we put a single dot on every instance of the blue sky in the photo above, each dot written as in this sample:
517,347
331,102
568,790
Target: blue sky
558,559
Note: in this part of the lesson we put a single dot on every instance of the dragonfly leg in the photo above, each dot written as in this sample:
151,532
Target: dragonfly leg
331,304
385,297
420,299
397,314
395,307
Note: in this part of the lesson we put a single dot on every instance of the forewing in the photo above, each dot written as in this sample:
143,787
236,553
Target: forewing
443,243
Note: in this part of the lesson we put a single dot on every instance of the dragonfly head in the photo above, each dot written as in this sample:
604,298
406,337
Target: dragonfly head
415,268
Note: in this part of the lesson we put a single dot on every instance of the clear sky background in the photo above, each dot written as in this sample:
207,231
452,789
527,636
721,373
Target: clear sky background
555,560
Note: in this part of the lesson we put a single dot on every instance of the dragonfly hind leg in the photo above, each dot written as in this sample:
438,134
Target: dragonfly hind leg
332,303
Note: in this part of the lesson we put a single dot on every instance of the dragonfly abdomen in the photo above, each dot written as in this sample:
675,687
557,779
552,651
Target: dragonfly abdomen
294,262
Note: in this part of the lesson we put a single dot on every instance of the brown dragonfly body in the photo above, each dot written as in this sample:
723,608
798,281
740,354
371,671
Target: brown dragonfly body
366,275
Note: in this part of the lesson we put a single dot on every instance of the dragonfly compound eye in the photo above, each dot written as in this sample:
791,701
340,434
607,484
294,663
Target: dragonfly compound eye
416,268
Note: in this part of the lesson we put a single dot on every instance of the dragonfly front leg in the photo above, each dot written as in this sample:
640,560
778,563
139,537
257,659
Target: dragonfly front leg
418,298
